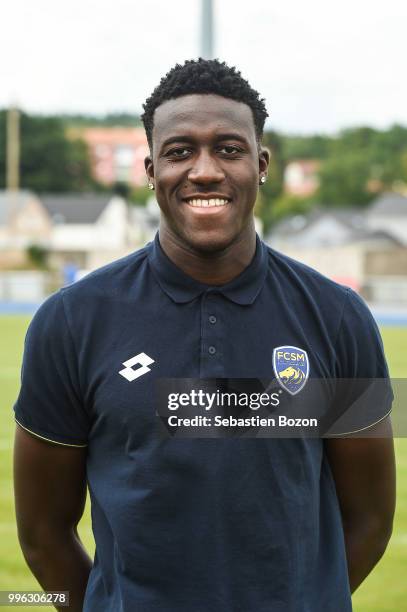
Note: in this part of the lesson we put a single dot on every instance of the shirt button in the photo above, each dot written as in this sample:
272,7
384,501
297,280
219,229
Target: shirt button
212,350
212,319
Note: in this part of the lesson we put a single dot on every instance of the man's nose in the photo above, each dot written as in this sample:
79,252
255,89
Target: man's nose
206,169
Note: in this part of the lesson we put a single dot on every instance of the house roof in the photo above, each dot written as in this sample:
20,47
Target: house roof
12,202
383,235
352,218
76,208
389,204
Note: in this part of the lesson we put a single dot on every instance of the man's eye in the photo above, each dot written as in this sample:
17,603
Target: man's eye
181,152
229,149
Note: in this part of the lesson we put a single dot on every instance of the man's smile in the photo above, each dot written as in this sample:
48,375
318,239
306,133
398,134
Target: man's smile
204,203
207,204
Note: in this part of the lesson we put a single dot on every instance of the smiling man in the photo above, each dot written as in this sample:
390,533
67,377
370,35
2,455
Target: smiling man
206,208
249,524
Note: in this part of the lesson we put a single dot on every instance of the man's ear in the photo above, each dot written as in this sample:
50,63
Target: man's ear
149,166
264,159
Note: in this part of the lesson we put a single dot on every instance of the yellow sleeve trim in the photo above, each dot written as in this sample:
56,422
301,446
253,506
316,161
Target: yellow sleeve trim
49,439
346,433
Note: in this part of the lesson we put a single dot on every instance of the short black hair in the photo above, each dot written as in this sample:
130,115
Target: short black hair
204,77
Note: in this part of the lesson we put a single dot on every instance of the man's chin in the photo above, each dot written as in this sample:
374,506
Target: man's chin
209,243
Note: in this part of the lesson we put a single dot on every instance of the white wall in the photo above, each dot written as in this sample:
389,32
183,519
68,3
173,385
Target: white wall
30,286
109,232
344,264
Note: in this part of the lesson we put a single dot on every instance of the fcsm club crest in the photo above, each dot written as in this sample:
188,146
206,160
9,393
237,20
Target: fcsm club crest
291,368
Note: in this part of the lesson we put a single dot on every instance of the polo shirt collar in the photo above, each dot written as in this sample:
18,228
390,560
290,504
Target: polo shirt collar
182,288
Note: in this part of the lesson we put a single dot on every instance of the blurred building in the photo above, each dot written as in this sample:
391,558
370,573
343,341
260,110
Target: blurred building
365,249
23,221
117,153
79,232
388,212
87,229
301,177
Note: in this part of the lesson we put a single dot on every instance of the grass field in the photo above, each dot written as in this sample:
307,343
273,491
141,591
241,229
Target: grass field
384,591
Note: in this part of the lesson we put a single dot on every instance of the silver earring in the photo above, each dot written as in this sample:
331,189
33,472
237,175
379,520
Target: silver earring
151,186
262,180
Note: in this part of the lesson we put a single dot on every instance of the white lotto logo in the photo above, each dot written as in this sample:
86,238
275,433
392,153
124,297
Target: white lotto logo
141,360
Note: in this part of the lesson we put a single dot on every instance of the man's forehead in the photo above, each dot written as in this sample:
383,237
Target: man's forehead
195,112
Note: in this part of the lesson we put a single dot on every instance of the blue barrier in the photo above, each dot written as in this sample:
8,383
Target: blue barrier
18,308
391,319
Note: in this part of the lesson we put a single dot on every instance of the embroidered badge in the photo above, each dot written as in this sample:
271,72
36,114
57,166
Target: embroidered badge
291,368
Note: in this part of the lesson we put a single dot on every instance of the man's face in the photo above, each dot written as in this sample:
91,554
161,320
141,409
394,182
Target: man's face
205,166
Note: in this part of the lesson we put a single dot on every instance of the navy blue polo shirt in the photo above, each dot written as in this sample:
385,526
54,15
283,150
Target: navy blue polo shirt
197,525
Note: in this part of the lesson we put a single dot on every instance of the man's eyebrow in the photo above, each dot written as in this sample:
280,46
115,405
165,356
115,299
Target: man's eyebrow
191,139
177,138
232,136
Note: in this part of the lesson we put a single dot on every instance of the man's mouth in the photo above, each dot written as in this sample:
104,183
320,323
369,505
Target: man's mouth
207,202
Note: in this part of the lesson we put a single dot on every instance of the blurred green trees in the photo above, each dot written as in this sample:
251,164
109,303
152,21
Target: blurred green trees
49,161
37,255
362,162
344,180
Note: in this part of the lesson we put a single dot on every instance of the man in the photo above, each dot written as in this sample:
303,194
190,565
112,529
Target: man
197,525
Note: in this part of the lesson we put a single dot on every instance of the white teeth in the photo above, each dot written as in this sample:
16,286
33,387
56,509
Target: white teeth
204,203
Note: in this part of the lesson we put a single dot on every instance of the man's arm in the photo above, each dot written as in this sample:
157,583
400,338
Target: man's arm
364,472
50,494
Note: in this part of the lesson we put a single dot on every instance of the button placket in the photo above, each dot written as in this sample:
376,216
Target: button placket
211,345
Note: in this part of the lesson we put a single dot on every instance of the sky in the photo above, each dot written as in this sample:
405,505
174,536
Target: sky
321,65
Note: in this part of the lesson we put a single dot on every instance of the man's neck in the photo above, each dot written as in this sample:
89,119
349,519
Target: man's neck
210,268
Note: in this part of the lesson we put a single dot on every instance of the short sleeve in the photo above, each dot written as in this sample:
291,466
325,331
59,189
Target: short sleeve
363,394
49,403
